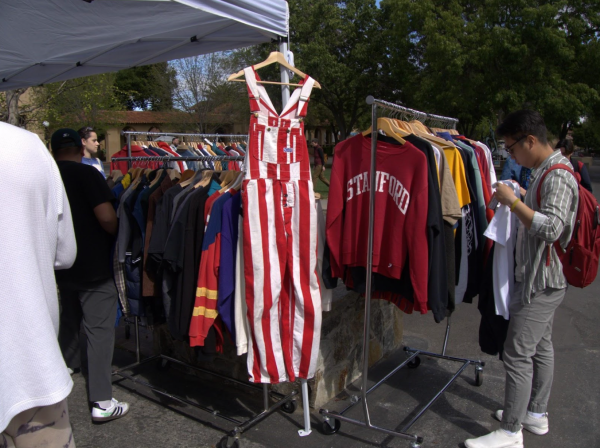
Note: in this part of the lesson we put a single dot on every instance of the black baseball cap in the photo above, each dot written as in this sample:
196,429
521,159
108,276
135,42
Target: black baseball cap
65,138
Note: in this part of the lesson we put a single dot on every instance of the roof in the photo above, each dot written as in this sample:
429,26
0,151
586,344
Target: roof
47,41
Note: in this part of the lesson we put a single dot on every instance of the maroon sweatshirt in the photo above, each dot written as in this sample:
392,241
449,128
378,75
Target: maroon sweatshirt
401,206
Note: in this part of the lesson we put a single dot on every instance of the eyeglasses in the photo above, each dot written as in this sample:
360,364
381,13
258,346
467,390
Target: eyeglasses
510,148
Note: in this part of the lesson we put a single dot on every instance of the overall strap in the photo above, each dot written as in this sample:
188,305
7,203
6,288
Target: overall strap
305,96
252,89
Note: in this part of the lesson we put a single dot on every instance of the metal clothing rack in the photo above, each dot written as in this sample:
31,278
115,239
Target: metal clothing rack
180,159
287,403
128,134
332,420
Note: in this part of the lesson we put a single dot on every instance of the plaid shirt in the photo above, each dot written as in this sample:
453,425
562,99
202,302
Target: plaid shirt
553,220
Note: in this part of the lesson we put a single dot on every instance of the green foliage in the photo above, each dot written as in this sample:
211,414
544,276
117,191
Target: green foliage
341,45
478,60
148,87
86,101
587,136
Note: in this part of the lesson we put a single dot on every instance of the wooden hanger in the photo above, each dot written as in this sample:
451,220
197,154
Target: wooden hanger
420,127
274,57
205,179
135,173
157,178
230,180
227,176
187,175
237,183
385,125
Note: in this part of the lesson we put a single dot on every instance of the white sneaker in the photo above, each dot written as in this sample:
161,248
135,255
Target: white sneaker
497,439
116,410
532,424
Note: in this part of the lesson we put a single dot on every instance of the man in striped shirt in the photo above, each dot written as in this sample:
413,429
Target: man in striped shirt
539,281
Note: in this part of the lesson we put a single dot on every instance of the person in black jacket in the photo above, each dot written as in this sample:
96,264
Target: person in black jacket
566,148
87,289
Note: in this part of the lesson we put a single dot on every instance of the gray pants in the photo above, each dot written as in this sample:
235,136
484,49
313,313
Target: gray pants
96,305
529,355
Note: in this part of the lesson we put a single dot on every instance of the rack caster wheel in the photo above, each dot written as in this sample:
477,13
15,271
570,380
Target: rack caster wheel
416,362
478,376
289,407
163,365
224,443
127,332
328,429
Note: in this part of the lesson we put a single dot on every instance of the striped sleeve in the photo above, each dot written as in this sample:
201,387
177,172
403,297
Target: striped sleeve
205,304
558,191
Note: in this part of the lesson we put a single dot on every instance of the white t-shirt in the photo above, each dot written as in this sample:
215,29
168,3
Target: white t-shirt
503,230
36,236
96,163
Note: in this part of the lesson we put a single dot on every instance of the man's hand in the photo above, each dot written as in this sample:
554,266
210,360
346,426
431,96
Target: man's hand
522,190
505,194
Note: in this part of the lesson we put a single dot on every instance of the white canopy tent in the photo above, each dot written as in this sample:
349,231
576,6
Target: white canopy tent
43,41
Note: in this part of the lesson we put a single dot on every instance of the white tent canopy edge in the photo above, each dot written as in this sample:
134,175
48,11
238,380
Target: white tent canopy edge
44,41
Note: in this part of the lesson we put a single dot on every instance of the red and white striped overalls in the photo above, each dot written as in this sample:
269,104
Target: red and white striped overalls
280,240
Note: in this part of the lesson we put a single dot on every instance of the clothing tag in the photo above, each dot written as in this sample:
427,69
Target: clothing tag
288,149
290,60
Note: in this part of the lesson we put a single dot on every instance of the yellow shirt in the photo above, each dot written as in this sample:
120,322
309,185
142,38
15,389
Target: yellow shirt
457,170
126,181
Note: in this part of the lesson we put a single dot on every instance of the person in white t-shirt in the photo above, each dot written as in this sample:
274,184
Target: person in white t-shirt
89,140
36,237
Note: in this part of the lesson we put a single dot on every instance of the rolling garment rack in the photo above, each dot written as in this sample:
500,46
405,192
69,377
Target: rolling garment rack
287,403
332,420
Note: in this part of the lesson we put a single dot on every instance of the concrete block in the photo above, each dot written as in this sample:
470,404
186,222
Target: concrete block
340,353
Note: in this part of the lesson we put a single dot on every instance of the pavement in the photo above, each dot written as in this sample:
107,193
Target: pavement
462,412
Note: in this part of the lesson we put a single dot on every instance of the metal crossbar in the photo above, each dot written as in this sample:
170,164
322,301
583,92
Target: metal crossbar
179,159
240,425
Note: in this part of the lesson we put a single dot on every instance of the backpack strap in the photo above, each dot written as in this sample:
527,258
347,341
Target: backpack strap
558,166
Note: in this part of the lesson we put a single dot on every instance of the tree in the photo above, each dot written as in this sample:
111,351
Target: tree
341,44
479,60
10,107
87,101
587,135
148,87
203,91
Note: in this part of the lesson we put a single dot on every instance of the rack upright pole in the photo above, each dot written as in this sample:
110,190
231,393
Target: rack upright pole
367,323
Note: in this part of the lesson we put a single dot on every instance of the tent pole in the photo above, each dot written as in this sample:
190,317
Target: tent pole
285,75
285,97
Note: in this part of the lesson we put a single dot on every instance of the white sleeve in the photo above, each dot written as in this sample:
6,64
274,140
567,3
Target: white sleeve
242,329
66,245
490,162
